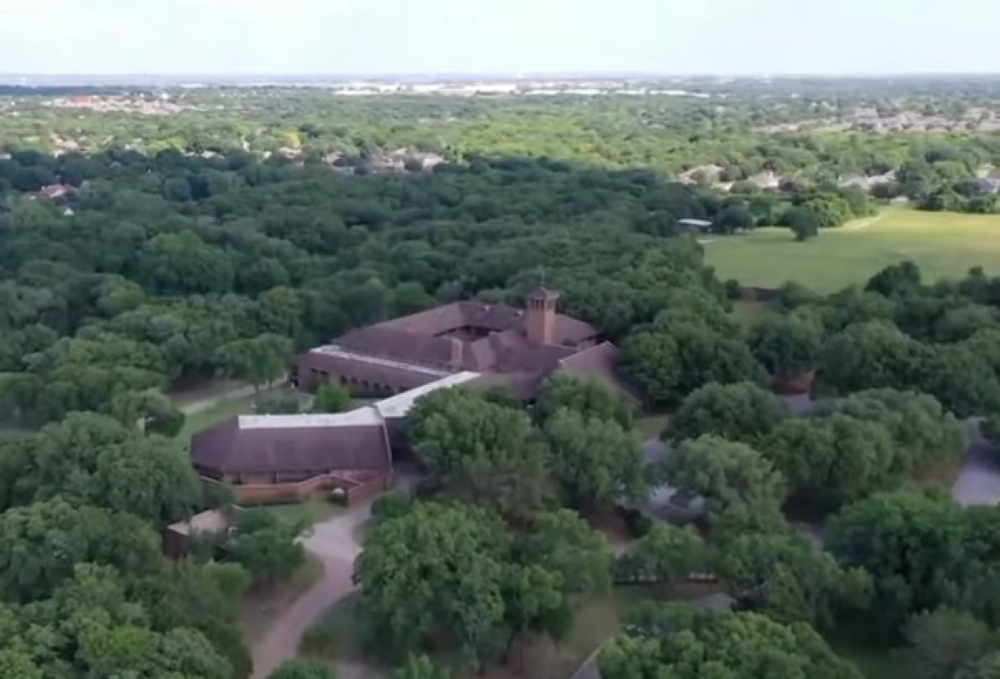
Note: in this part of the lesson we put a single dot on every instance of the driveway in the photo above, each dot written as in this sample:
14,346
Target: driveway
333,543
979,481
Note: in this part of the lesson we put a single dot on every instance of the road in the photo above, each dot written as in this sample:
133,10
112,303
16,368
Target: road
979,481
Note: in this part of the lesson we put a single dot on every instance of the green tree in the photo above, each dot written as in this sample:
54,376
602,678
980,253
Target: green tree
302,669
785,577
803,222
278,402
678,640
987,667
481,450
729,476
420,667
437,572
912,544
586,396
332,398
943,641
739,412
593,460
833,459
267,548
260,360
788,345
666,555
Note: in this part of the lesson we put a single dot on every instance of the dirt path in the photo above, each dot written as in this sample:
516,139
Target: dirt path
333,543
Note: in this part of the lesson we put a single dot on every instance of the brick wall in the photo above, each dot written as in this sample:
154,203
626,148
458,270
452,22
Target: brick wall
358,488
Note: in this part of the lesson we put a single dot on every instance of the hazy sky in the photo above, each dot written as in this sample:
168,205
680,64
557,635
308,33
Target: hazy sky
498,36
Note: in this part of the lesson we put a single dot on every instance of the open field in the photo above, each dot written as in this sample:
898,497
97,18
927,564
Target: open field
943,244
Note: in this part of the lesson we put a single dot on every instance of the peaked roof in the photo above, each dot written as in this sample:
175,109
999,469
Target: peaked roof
355,441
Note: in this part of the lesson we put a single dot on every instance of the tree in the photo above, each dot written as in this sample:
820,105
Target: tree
259,360
153,410
94,460
987,667
872,355
594,460
564,543
833,459
332,398
739,412
912,544
803,222
730,476
267,548
586,396
943,641
788,345
682,642
278,402
302,669
785,577
924,434
990,429
667,363
481,450
42,543
734,218
420,668
437,572
666,555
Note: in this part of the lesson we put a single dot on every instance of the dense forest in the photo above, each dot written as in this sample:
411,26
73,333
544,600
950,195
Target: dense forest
218,241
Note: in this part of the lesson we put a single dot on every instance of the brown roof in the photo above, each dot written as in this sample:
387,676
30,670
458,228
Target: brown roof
400,375
598,362
421,338
229,448
522,386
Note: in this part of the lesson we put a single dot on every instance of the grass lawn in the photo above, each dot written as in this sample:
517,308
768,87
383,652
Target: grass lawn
943,245
310,512
214,415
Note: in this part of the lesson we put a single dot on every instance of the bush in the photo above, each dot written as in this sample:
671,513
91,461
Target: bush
637,523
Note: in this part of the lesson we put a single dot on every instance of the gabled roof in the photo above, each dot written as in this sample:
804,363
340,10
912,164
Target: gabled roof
354,441
599,362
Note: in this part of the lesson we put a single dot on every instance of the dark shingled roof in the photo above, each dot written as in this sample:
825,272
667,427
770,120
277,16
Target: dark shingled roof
421,338
599,362
227,448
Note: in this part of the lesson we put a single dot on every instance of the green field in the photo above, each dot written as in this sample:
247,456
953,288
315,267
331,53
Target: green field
943,245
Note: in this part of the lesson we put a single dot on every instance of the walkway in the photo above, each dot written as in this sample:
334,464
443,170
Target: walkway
334,544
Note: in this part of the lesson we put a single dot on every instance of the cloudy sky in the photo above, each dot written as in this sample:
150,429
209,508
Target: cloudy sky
498,36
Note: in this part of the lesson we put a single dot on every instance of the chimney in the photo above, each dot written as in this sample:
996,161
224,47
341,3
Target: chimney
540,316
457,361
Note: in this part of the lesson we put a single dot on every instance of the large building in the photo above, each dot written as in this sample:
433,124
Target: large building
282,458
514,347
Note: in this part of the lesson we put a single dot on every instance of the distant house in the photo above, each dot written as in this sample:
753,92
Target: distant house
988,184
694,225
52,192
766,180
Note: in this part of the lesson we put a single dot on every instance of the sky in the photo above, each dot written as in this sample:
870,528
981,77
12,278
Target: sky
371,37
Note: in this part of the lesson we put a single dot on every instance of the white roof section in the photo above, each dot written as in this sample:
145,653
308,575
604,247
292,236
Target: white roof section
400,404
367,416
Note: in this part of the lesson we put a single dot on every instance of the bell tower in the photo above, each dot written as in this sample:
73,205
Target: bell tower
540,317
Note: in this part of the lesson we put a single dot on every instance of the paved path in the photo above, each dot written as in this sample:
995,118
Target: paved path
979,481
333,543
